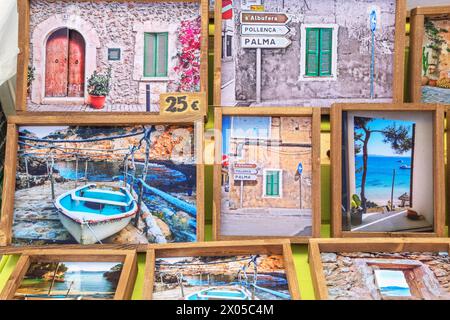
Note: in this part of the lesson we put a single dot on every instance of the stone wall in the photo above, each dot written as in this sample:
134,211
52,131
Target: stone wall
348,276
281,68
118,25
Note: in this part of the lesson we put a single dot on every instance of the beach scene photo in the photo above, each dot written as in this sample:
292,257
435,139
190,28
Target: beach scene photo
69,281
95,185
436,61
378,193
266,177
250,277
392,283
386,275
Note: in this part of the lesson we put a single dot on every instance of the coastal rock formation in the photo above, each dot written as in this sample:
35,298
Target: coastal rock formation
113,275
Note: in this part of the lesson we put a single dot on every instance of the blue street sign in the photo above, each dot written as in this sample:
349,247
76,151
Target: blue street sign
300,168
373,20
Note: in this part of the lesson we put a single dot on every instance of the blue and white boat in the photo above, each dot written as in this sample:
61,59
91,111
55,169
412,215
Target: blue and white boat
221,293
94,212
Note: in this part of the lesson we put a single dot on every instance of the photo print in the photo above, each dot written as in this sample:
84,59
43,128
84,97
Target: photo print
105,185
387,172
309,53
266,176
250,277
79,63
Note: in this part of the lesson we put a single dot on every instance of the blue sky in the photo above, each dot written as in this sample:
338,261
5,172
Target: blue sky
244,127
89,266
376,144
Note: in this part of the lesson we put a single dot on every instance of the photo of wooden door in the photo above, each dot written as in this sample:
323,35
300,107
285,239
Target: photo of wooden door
65,64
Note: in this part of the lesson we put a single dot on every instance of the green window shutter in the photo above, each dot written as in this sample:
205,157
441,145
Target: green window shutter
272,183
156,54
161,63
149,54
326,46
312,51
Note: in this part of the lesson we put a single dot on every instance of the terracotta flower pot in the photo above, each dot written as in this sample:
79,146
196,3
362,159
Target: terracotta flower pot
432,83
425,80
97,102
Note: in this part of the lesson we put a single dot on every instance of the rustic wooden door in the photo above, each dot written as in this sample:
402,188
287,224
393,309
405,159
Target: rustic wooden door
65,64
76,64
56,70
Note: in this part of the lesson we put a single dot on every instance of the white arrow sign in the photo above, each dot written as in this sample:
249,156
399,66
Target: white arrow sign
269,30
265,42
245,177
245,171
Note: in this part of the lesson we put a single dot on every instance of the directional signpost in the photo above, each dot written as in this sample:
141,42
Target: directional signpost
272,30
263,30
245,172
265,42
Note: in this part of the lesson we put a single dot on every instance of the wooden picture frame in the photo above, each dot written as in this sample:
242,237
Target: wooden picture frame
398,63
418,16
318,246
8,197
438,165
125,285
315,115
23,60
223,248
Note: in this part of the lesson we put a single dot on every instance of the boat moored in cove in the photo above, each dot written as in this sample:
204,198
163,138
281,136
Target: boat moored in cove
94,212
221,293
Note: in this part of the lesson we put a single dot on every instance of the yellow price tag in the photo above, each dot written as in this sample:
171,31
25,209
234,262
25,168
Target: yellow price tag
182,103
257,8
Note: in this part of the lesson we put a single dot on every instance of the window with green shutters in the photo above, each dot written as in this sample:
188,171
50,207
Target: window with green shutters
156,54
319,46
273,183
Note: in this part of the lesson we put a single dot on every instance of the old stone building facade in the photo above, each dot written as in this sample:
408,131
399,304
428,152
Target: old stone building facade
285,79
350,276
123,35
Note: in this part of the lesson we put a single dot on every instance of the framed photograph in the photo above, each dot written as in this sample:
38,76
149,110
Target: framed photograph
387,170
72,275
72,61
380,269
267,173
308,53
429,55
229,270
111,181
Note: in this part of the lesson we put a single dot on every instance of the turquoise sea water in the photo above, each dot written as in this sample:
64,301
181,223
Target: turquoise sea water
395,291
379,177
88,283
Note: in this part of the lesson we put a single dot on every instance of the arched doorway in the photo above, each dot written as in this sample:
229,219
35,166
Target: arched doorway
65,64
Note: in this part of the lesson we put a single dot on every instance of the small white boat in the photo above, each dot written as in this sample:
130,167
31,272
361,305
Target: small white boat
221,293
92,212
405,167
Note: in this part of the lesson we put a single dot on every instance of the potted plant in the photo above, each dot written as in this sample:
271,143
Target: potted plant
98,88
356,211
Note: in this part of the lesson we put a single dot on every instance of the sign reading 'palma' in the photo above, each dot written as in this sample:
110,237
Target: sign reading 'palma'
265,42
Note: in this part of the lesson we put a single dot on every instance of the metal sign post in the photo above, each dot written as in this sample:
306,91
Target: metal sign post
263,30
244,172
373,27
300,172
